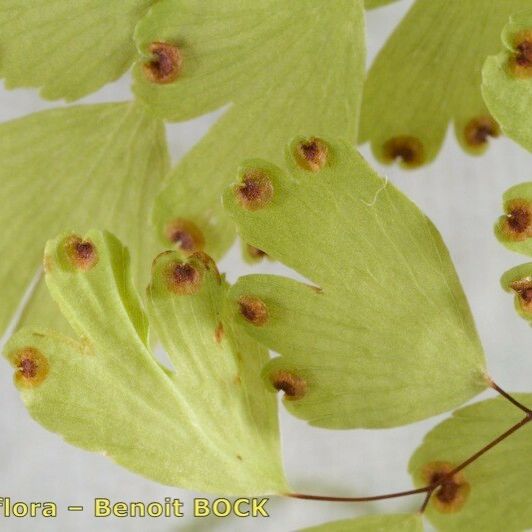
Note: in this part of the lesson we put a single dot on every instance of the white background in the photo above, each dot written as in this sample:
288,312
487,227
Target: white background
461,194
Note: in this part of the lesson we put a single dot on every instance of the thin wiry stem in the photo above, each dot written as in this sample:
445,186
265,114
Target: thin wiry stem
474,457
356,499
431,488
507,396
492,444
426,500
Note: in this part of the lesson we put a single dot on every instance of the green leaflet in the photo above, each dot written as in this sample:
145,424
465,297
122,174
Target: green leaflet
507,81
387,338
493,493
518,281
374,523
209,424
68,49
73,168
289,68
507,89
514,228
427,75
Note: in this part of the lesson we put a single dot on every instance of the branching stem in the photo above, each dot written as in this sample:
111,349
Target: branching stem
431,488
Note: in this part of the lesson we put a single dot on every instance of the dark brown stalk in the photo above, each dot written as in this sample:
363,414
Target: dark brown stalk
357,499
508,397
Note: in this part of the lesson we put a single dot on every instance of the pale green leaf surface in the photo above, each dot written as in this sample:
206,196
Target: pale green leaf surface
67,48
209,424
71,169
498,482
518,281
514,228
374,523
288,69
372,4
508,96
389,338
428,75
